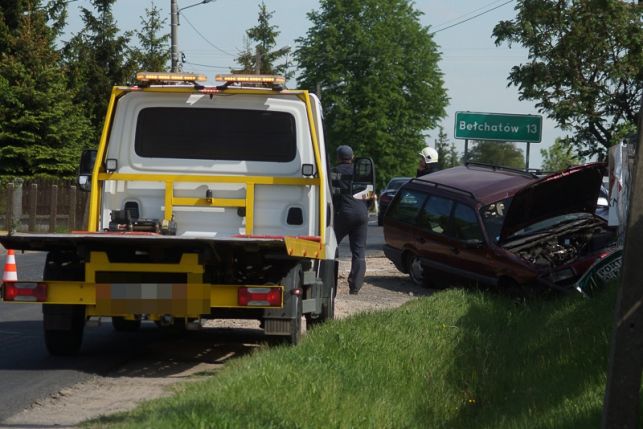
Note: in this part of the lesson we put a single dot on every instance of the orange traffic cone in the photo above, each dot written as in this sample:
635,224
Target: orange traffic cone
10,271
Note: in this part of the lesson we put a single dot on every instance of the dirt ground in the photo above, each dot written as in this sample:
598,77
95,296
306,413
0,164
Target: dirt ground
133,383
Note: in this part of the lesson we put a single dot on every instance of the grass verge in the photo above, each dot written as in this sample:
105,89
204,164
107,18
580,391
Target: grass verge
456,359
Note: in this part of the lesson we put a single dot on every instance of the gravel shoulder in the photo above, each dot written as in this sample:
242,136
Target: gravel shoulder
146,379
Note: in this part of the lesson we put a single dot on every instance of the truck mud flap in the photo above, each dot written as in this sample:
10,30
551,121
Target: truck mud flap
277,326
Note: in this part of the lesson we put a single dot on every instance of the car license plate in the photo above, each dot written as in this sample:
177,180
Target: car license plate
602,272
610,271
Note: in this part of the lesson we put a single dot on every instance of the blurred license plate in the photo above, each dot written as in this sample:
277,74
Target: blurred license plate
610,271
602,272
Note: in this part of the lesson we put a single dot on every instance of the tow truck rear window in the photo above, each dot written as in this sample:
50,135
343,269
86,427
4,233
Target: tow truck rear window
216,134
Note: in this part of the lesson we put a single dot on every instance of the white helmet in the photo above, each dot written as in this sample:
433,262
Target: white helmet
429,154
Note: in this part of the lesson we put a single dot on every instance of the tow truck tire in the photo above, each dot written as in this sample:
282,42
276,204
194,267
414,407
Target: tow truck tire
121,324
294,280
64,326
328,272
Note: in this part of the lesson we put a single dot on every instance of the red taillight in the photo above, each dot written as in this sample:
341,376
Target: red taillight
260,296
27,292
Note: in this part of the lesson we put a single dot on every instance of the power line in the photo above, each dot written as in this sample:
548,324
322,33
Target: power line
207,66
449,21
473,17
206,39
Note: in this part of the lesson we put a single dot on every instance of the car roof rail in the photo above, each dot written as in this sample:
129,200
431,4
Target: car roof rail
502,168
441,185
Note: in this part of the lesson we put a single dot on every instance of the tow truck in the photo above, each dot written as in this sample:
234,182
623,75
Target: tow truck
206,202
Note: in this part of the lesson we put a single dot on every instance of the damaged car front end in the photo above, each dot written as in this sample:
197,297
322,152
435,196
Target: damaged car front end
551,224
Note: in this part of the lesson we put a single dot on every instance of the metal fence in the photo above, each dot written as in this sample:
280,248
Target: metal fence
42,205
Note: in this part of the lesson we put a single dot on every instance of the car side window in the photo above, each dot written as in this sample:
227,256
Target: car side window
407,206
465,223
435,215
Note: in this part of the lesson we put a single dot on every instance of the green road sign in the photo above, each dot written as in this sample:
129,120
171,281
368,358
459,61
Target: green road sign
498,126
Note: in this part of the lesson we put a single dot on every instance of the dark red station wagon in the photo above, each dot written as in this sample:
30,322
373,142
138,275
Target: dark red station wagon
499,227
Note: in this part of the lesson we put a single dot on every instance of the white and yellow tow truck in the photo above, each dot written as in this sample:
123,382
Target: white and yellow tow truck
206,202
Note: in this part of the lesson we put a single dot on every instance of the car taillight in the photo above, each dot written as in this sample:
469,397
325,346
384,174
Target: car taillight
27,292
259,296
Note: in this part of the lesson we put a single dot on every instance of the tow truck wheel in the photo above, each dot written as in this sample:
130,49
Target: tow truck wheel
120,324
64,326
328,273
297,328
294,280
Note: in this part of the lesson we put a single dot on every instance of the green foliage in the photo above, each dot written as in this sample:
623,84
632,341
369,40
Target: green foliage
154,48
376,70
447,154
497,153
585,67
42,130
264,36
95,61
559,156
455,359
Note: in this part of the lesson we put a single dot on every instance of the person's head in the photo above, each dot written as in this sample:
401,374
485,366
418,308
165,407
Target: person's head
344,154
428,155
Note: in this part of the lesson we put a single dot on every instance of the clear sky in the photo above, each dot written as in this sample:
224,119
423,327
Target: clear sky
475,70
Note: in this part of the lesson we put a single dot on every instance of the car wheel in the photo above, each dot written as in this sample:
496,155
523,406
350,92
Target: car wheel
416,270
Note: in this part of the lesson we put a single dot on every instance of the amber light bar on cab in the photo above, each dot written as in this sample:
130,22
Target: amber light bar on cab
251,78
170,77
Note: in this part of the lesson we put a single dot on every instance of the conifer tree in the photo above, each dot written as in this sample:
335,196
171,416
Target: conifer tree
42,131
261,41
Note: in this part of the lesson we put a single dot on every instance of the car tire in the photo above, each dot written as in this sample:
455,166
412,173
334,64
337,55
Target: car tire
417,273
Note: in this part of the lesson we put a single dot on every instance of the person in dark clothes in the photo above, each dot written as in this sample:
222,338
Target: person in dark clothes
351,217
428,162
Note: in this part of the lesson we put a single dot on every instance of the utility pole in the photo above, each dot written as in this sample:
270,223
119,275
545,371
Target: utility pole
622,393
174,24
174,33
257,60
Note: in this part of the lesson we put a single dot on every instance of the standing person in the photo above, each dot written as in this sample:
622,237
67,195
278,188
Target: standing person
428,162
351,217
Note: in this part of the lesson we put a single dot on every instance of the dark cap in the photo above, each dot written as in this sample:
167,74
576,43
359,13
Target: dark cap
345,153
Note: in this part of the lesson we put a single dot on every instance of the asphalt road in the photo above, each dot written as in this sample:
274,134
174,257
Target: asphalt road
28,373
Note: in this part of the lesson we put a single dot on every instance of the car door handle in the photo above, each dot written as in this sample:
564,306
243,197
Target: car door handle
420,240
455,250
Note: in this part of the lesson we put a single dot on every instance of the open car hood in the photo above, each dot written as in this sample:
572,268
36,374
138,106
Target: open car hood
569,191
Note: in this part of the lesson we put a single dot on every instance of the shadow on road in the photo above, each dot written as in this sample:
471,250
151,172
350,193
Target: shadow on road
105,352
397,284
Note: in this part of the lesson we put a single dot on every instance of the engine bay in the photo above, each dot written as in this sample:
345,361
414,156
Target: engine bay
563,244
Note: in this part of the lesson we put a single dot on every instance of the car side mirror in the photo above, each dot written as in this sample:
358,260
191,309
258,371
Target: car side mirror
87,161
363,177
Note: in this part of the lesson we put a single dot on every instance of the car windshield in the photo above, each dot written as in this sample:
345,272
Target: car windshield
493,216
550,223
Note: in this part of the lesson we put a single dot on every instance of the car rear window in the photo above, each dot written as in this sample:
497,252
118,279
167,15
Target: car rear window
215,134
396,183
407,206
